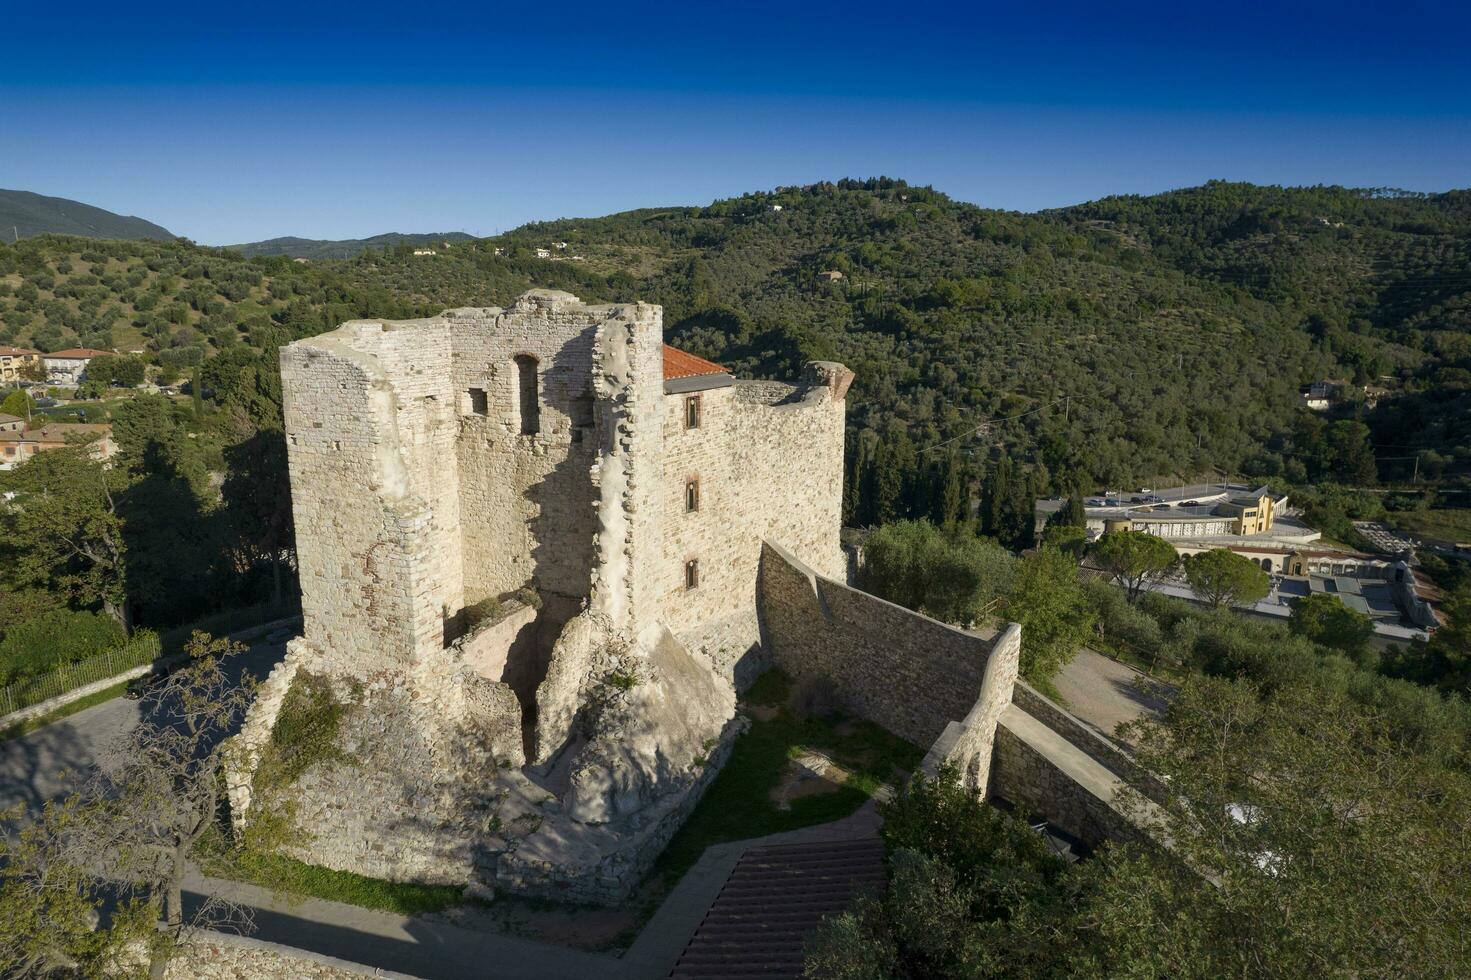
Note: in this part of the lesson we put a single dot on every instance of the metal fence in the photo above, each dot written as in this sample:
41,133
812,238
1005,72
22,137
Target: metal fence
143,648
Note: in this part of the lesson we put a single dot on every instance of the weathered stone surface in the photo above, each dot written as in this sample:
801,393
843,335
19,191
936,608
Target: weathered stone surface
439,462
907,672
220,956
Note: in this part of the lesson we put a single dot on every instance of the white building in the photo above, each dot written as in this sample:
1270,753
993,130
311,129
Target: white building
69,366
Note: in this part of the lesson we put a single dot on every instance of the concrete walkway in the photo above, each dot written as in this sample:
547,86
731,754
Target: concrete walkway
49,762
1105,693
440,951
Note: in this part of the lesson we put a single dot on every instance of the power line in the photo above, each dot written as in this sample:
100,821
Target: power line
1009,418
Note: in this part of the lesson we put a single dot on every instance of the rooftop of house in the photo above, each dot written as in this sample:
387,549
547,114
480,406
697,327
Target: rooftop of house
684,372
77,353
16,351
57,432
682,364
7,419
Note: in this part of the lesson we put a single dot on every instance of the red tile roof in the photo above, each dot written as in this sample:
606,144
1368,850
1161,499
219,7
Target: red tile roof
78,353
16,351
681,364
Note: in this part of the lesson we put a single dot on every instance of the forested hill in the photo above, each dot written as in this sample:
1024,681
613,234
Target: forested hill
1125,340
319,248
25,215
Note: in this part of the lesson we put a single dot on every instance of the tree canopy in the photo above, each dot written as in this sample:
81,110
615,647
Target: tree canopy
1224,578
1135,559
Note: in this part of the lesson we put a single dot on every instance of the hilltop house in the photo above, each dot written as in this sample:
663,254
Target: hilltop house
20,443
70,366
19,364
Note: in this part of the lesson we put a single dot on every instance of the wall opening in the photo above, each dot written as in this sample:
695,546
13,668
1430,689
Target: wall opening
692,412
528,402
479,402
692,495
692,574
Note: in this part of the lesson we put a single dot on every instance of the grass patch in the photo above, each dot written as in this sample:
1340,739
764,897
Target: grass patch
738,803
80,704
305,732
1448,523
299,878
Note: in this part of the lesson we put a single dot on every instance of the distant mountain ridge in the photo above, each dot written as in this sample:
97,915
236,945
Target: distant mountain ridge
24,214
320,248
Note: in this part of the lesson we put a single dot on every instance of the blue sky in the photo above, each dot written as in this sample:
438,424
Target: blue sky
230,123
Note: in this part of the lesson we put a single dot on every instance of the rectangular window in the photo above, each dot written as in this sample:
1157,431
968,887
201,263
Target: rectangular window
692,412
479,403
692,574
691,495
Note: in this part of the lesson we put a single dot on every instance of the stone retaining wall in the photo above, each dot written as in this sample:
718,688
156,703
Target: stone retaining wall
909,673
220,956
1043,774
1085,738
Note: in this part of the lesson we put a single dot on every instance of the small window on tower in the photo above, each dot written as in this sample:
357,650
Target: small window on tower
479,403
692,574
692,495
528,401
692,412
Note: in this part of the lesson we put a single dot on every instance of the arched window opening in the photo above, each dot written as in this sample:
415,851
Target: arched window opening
527,400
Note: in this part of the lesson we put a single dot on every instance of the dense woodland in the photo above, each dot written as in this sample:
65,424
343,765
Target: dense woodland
999,355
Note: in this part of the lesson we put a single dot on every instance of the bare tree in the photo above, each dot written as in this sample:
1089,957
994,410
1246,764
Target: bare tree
84,884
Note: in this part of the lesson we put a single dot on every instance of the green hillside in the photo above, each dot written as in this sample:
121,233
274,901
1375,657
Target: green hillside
320,248
1122,341
26,215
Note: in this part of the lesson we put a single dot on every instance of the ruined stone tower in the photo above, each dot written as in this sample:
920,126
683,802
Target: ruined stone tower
528,543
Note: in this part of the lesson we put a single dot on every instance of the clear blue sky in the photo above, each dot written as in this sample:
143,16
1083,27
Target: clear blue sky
236,122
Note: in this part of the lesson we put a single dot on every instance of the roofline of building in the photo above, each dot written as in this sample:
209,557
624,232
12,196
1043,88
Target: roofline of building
698,382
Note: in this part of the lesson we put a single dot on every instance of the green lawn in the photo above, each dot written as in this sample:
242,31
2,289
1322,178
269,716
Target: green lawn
1450,523
738,804
298,878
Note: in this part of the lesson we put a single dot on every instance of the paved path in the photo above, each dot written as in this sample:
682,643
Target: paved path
46,763
1103,692
434,950
416,947
51,761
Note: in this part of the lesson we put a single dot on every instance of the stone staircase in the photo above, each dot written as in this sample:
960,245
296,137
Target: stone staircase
773,900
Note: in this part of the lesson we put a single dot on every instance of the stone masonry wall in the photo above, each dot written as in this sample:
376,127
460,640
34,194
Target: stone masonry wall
1041,773
769,461
369,595
907,672
526,501
221,956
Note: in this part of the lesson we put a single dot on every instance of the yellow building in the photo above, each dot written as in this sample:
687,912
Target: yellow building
1251,513
20,364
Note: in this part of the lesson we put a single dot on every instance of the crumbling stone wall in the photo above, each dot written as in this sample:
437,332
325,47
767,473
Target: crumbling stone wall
439,462
361,446
222,956
526,500
904,671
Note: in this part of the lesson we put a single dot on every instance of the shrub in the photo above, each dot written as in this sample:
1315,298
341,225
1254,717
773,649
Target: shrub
305,732
950,577
56,638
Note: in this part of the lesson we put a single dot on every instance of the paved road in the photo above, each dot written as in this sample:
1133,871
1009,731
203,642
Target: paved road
50,761
1104,692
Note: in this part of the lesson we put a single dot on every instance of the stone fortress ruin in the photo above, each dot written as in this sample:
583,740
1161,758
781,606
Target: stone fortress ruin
528,542
540,553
